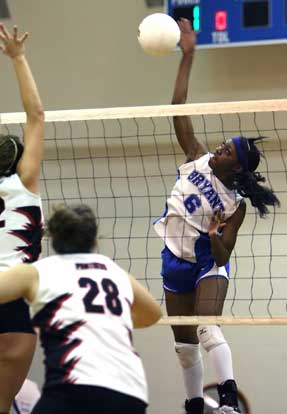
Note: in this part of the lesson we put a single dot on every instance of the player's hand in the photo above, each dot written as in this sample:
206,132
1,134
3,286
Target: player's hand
217,223
12,45
187,37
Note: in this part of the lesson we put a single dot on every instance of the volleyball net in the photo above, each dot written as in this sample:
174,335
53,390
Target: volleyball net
123,163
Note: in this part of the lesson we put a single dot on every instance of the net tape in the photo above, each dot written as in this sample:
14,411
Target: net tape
127,172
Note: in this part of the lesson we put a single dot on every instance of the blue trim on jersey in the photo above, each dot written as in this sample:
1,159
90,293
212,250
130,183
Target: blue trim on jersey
227,268
164,214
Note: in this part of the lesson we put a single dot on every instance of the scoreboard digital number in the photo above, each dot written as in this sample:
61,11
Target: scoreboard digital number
233,22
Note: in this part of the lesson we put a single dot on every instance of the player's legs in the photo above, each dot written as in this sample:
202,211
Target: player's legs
182,304
187,348
207,299
179,281
210,296
16,354
17,346
194,289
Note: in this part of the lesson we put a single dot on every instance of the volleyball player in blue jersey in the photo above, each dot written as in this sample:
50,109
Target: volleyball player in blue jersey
200,225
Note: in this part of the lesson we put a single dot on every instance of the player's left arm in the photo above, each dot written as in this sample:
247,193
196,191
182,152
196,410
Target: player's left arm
145,311
29,166
223,234
20,281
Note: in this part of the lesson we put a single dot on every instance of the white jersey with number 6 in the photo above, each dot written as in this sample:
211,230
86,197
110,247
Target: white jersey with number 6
83,310
20,223
196,195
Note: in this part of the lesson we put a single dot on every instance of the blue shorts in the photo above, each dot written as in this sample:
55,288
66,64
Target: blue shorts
181,276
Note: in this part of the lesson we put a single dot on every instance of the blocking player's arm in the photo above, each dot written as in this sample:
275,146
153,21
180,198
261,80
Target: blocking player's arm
222,245
20,281
192,148
30,163
145,310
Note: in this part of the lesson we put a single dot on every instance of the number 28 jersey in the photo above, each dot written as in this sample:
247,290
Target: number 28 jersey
20,223
196,195
83,310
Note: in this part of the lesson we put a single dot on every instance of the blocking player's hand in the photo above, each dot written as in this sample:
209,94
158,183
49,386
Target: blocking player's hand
12,44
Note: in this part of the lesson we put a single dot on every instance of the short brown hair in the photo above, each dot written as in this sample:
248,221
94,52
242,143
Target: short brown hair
73,229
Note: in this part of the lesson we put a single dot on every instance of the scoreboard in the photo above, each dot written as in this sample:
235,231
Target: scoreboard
233,22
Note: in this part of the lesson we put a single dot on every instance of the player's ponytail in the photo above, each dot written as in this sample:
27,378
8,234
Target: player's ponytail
246,180
246,184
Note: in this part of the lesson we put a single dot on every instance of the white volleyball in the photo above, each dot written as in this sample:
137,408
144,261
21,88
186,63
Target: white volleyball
158,34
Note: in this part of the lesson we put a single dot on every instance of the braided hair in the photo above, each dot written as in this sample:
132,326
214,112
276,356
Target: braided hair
246,182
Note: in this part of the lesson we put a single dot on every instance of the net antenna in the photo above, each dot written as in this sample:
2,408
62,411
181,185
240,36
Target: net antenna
123,163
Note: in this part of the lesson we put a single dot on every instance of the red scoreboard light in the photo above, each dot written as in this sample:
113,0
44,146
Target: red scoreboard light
220,20
227,23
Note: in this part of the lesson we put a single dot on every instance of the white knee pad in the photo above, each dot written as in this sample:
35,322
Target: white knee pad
210,336
188,354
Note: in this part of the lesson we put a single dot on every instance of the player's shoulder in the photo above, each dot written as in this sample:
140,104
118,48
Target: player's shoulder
242,206
12,180
14,184
46,262
198,163
110,262
113,266
239,214
94,257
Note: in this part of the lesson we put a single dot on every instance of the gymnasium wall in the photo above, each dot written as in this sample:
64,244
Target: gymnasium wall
85,55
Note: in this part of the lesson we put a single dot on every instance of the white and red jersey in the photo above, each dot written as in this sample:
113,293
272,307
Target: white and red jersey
20,223
196,195
83,310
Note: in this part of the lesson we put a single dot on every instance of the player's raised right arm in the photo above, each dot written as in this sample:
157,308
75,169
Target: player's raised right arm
182,124
29,165
145,310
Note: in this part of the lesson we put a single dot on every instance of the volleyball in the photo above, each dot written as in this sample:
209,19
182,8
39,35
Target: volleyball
158,34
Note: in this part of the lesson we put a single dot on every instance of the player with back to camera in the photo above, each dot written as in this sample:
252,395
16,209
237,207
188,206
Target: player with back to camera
85,307
199,228
20,219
